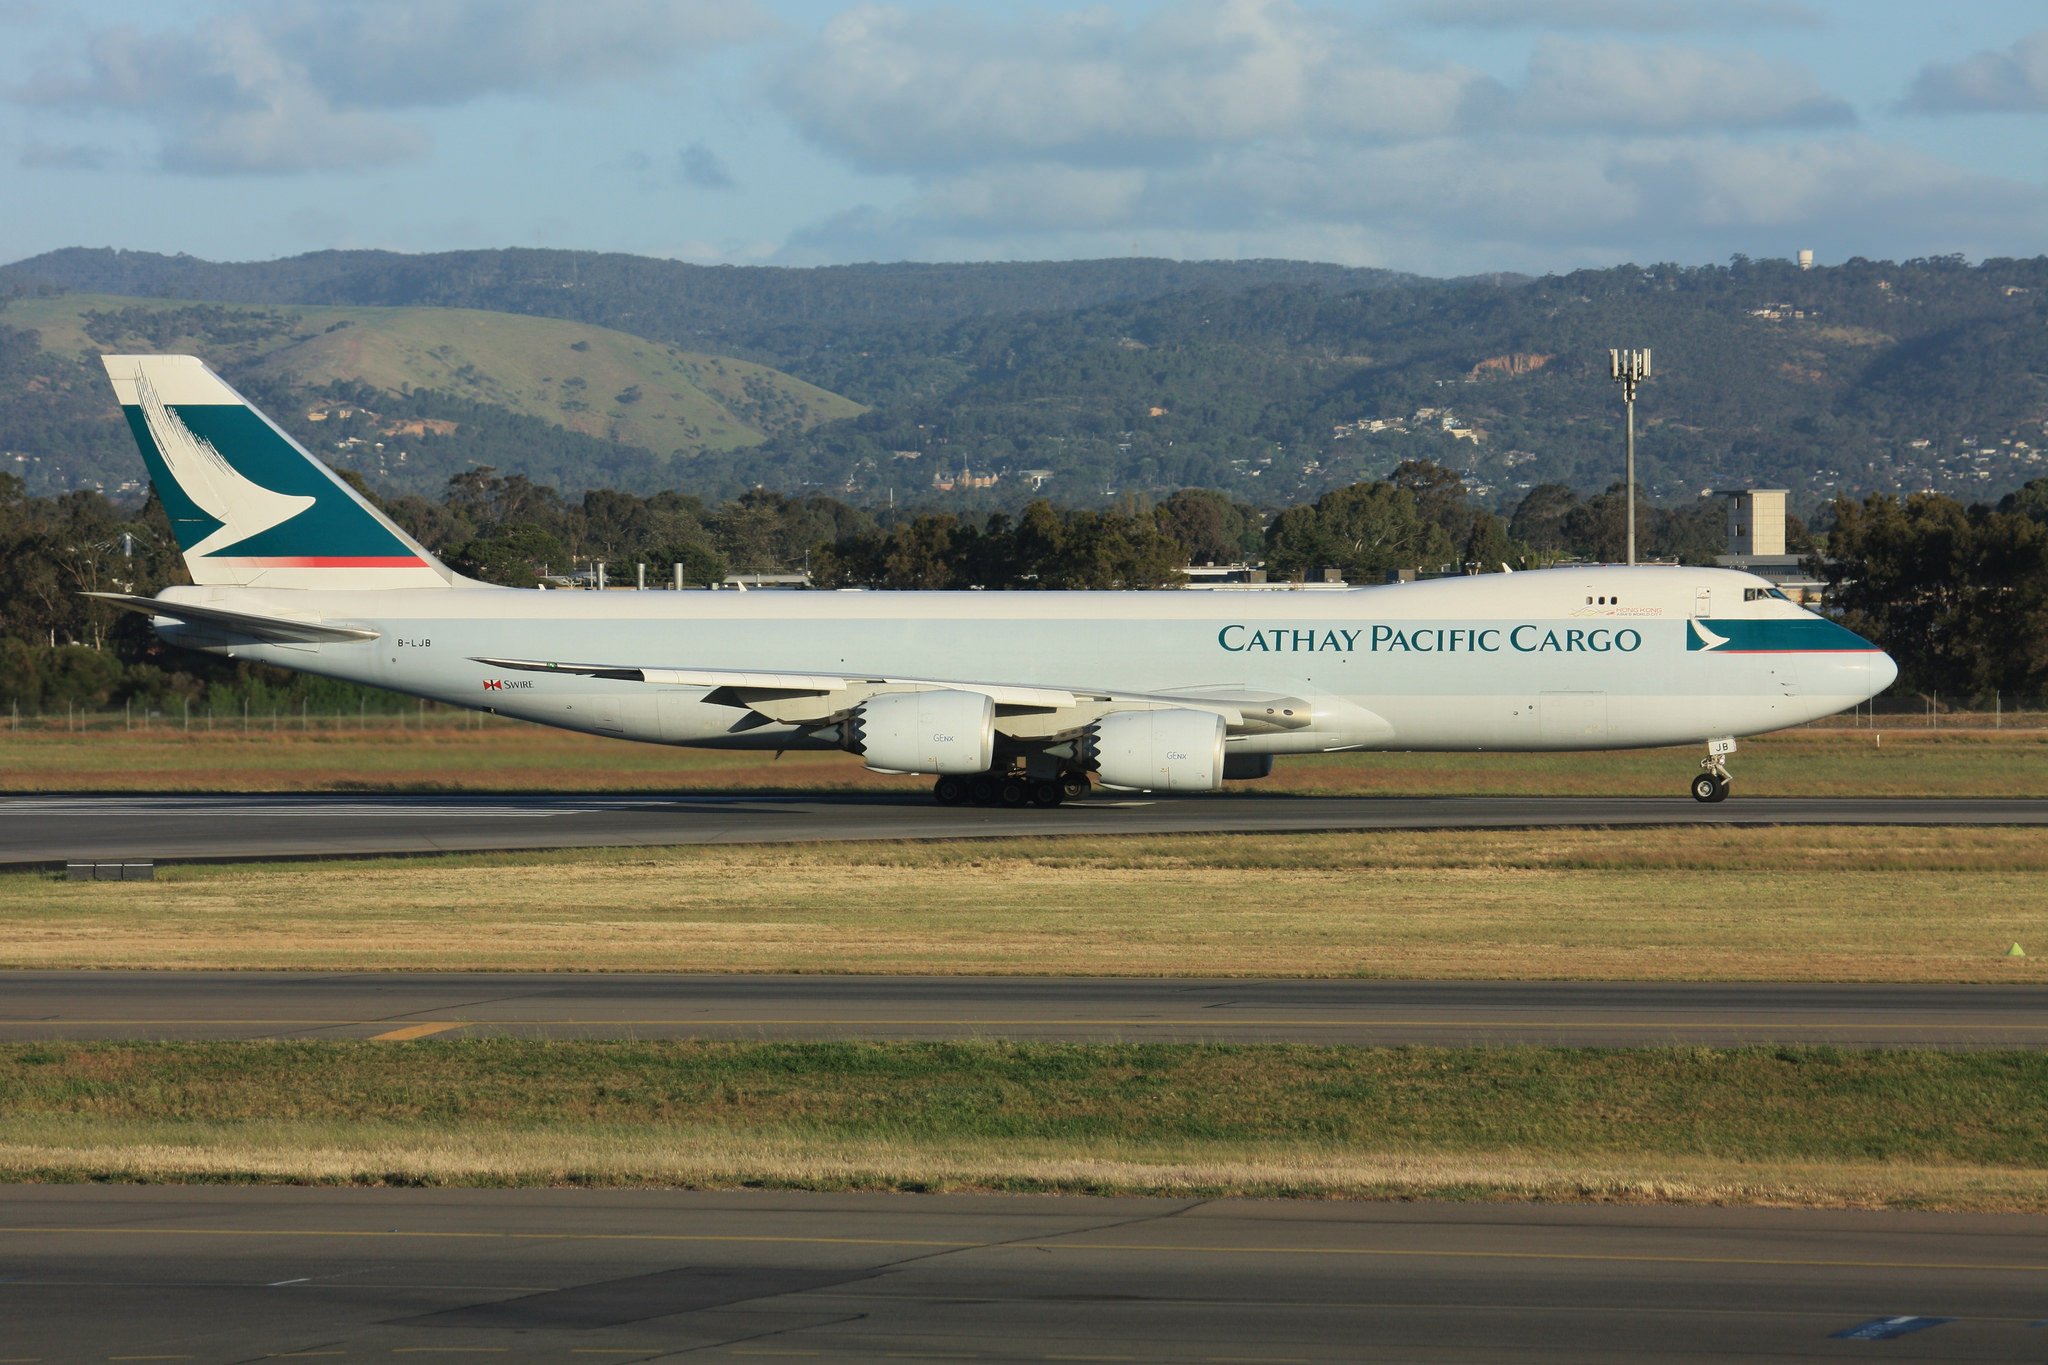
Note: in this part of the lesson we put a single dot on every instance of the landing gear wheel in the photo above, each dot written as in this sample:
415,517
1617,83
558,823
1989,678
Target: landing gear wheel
1047,794
950,791
1712,782
1074,786
1015,792
983,791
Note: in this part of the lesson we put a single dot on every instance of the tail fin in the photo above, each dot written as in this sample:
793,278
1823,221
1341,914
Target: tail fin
250,506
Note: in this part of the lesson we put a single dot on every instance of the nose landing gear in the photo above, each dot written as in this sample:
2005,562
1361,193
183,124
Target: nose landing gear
1712,783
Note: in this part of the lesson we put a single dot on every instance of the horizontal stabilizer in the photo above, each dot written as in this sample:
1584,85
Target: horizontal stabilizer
274,629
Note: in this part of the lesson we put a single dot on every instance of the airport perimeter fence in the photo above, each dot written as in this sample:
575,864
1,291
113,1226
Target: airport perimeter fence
201,719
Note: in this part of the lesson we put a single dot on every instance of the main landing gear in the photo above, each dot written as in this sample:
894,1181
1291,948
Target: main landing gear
1712,783
1014,788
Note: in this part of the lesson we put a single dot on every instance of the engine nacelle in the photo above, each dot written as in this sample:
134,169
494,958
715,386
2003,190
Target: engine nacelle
924,732
1168,751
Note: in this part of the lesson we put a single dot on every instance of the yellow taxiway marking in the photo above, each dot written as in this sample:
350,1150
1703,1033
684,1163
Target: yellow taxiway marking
1063,1242
400,1035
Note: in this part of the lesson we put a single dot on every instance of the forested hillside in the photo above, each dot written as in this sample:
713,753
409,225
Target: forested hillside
991,385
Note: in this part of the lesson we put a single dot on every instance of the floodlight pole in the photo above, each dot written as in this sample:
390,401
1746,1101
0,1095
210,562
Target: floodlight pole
1630,368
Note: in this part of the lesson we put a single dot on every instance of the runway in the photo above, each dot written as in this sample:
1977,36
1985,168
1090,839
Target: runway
49,830
403,1006
97,1273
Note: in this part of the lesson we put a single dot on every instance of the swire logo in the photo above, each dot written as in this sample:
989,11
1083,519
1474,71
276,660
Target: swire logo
500,685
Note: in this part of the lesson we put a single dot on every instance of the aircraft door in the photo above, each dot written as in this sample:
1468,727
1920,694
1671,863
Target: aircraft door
1572,720
1703,603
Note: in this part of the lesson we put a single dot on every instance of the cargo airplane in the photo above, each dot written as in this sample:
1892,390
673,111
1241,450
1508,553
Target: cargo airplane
1001,697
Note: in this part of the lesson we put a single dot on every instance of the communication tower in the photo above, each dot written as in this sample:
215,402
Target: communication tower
1630,368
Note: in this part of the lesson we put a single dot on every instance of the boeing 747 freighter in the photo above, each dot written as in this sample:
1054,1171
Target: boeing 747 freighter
1009,697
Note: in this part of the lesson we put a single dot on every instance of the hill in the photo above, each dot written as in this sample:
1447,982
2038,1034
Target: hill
721,307
612,388
1272,380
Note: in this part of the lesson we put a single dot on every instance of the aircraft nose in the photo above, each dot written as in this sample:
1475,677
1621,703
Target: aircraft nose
1884,671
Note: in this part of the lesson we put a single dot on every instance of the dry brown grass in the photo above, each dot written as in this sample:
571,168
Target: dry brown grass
341,1153
1910,904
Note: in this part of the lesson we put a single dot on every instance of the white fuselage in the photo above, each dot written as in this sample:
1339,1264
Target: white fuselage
1577,658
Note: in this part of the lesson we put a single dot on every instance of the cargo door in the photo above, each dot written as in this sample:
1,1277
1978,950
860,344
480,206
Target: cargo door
1569,720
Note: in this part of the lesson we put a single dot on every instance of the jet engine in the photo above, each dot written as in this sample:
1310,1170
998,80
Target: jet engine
924,732
1172,751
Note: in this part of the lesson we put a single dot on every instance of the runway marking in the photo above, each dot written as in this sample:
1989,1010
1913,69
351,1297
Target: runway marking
1884,1329
1197,1249
401,1035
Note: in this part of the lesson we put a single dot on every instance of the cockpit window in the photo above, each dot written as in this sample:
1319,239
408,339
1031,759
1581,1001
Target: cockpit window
1754,594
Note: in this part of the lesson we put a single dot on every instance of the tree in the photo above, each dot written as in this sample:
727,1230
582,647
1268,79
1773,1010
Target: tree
922,554
1958,596
1539,521
1208,525
1598,527
1365,530
515,556
1488,547
1439,495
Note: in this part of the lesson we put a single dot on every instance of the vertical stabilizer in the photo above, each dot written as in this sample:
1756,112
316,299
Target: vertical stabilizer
249,505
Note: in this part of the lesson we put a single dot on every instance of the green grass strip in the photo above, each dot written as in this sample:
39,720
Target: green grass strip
1741,1104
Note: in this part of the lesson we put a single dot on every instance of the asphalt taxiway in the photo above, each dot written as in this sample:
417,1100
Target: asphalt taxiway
404,1006
138,1272
48,830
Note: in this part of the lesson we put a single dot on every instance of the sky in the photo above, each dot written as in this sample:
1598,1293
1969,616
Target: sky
1437,136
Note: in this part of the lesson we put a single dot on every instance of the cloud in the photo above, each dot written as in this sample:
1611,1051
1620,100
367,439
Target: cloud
224,101
893,90
65,156
409,53
698,165
2015,79
1623,16
1456,204
1266,126
1623,87
931,93
299,85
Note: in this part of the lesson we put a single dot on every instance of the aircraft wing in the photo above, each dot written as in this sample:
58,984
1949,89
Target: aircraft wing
1022,711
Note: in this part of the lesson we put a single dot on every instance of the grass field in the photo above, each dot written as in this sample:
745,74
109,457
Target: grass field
1783,903
448,753
1754,1125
